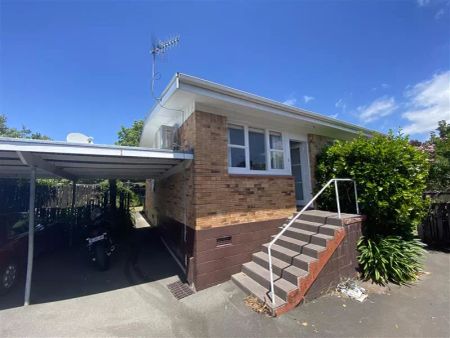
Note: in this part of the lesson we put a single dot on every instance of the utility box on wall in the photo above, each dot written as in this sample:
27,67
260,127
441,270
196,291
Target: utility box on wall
166,137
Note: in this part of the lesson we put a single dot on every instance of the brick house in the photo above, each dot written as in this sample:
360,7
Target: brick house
253,165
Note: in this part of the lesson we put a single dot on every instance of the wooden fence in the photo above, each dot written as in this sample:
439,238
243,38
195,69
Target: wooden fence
54,205
436,227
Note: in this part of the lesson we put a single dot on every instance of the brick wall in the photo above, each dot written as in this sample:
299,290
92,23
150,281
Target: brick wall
212,204
205,195
315,145
222,199
342,265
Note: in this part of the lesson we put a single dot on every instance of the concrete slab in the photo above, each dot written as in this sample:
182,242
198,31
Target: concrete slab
146,308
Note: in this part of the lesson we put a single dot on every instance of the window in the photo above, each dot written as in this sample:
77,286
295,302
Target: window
276,150
257,145
236,147
252,150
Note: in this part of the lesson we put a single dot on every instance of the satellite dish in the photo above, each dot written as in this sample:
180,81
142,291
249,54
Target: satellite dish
79,138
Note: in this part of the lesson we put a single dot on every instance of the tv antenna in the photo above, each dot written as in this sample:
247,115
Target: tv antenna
160,48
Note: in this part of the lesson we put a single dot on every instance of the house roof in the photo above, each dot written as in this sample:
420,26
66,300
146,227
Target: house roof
85,161
184,91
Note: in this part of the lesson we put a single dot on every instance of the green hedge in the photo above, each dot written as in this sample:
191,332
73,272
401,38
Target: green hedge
391,176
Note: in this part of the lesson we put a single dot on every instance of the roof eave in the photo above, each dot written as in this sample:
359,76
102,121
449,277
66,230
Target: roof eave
208,85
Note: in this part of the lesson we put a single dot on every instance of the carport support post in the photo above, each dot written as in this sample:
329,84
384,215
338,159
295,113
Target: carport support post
30,235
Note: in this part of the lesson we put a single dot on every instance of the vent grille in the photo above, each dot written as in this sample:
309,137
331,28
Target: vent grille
180,290
225,240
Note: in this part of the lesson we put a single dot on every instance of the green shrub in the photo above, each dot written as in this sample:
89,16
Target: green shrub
391,176
390,259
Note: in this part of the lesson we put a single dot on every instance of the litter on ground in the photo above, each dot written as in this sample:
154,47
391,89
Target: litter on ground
350,289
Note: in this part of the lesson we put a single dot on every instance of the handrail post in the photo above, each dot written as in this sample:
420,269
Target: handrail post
272,291
337,198
356,197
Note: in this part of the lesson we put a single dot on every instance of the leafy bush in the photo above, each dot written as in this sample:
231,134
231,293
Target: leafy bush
391,176
438,150
390,259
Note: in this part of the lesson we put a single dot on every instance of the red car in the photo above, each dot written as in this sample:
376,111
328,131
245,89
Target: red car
14,245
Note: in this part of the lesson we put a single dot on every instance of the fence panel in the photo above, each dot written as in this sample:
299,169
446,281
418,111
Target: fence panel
436,227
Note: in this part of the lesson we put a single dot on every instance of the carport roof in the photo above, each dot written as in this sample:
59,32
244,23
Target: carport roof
85,161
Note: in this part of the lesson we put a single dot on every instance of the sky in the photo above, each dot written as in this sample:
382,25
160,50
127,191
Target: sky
85,66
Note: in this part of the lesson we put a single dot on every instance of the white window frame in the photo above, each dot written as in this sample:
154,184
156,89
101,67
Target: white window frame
286,171
273,150
237,146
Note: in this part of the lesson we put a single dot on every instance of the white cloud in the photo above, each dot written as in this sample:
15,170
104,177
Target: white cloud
385,86
307,98
381,107
439,13
334,116
290,102
341,104
423,3
428,103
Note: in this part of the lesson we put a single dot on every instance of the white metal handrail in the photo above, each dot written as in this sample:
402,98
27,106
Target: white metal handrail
335,180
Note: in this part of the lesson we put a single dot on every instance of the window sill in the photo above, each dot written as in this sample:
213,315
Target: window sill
259,175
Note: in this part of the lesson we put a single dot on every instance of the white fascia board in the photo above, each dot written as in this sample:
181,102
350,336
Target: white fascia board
228,94
55,147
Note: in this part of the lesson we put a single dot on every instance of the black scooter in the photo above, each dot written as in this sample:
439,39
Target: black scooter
99,242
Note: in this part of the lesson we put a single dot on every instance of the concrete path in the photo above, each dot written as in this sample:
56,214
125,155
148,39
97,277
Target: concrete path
139,220
146,308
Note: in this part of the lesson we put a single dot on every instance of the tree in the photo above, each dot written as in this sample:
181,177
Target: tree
438,150
132,135
439,178
6,131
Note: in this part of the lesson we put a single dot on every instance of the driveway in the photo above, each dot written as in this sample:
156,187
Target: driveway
145,307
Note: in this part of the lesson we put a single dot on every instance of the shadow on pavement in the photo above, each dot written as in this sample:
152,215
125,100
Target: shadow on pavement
140,258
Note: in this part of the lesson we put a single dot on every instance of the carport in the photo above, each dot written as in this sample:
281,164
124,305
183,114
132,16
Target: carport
31,159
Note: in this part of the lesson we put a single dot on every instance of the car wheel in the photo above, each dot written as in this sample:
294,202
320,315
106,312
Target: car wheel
8,276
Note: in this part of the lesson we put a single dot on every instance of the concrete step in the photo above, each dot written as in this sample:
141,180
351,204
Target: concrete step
285,270
281,252
251,287
293,273
308,236
317,216
299,246
262,259
262,276
303,261
325,229
325,217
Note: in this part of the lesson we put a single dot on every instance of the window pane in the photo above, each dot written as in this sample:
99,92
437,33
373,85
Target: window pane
257,147
236,135
236,157
276,160
275,141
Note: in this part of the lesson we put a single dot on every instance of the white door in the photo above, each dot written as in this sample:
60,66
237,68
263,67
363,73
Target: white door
298,170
